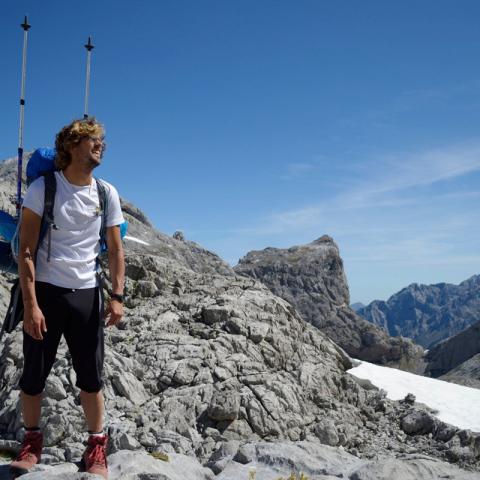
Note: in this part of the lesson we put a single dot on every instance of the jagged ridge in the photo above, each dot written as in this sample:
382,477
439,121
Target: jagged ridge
428,313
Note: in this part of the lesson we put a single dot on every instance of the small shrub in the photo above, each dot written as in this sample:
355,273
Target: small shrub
160,456
7,454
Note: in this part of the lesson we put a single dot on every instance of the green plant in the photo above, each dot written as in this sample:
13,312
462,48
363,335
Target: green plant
160,456
7,454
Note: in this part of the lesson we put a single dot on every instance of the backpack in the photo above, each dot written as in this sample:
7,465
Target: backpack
41,161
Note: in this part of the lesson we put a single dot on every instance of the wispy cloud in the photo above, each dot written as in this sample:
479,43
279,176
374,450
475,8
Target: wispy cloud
299,169
413,243
392,181
459,95
420,97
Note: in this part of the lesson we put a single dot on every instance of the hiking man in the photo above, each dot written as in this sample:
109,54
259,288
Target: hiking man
60,287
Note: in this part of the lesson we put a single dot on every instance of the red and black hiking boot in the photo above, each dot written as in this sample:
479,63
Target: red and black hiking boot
94,459
29,455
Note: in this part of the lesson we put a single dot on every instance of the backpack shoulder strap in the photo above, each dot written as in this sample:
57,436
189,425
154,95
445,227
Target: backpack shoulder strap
48,221
103,201
49,199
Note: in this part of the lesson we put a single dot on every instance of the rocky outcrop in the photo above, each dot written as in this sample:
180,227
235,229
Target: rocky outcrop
467,373
262,461
457,357
312,279
200,357
126,465
428,314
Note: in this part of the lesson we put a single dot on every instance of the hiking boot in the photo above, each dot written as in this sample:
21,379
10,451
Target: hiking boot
94,459
29,455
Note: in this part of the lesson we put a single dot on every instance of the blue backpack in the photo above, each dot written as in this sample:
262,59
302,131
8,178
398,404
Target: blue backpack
41,162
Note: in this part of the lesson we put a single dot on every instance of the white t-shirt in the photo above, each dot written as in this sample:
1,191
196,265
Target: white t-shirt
75,243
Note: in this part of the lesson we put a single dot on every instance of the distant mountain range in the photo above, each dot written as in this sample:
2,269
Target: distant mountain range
427,314
357,306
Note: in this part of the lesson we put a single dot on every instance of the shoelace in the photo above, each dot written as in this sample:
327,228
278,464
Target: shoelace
97,455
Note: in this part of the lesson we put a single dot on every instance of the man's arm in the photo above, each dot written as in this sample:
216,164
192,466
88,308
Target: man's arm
116,265
33,319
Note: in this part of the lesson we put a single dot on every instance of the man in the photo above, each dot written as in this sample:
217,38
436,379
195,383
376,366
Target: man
60,288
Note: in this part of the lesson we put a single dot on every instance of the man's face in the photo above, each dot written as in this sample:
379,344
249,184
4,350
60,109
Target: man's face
89,150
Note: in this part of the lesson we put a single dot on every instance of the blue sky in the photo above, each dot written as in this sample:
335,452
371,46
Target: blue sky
249,124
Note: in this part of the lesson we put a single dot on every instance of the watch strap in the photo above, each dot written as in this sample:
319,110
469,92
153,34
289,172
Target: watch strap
117,297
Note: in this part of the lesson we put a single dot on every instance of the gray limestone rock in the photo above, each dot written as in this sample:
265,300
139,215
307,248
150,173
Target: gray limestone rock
55,389
264,461
127,465
220,457
178,235
327,433
418,422
130,387
272,460
58,472
146,288
224,406
410,467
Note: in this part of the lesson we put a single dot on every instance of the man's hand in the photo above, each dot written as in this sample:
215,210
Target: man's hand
113,312
34,322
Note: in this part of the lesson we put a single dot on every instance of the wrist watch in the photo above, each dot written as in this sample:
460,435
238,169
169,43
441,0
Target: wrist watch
117,296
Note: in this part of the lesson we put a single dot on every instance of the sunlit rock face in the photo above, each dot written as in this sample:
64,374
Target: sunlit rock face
311,277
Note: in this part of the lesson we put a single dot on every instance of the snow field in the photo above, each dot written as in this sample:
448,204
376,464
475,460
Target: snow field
454,404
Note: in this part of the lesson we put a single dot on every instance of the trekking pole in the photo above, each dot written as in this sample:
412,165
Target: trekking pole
89,48
18,200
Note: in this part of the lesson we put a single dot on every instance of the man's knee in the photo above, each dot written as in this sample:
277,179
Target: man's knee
32,388
89,385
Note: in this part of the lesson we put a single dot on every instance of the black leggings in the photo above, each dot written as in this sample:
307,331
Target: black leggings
78,315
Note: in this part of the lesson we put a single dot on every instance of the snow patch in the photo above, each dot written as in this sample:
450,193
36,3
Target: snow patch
135,239
454,404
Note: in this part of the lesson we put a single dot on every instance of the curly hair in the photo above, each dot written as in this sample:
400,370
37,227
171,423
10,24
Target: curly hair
71,135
